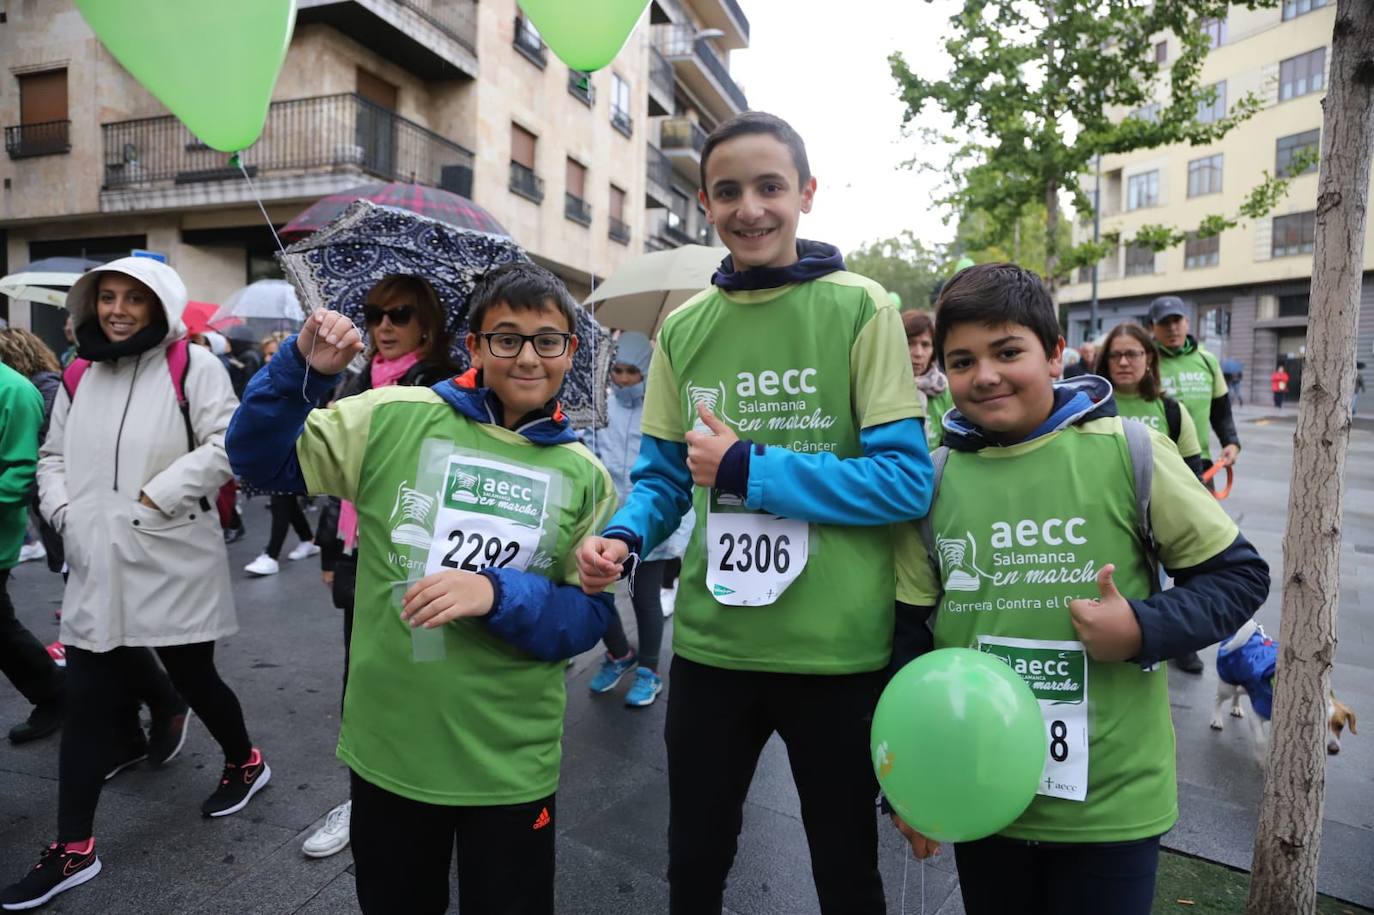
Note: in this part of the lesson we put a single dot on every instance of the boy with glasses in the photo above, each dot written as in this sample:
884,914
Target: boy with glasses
471,497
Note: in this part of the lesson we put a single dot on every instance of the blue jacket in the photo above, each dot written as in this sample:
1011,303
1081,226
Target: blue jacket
546,619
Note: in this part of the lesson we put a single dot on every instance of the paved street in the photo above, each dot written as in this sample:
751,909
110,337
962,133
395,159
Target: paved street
160,856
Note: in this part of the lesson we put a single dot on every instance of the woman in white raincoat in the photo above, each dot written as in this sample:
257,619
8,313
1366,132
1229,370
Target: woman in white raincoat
128,478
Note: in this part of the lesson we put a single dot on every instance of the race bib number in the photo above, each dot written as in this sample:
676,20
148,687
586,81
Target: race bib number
1057,673
491,515
751,557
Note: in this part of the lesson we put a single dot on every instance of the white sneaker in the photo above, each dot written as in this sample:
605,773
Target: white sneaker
31,551
263,565
668,599
330,838
304,550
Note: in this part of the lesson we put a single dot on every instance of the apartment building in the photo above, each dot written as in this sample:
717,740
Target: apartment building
1251,285
584,170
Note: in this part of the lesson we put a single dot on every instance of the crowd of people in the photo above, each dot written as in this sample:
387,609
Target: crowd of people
836,505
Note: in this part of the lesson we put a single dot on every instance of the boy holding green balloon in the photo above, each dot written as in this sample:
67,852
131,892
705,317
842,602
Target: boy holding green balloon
780,402
1037,553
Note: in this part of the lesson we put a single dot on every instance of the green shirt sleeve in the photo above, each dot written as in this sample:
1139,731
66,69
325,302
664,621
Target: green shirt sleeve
1189,524
880,369
599,503
662,417
1188,445
917,583
333,443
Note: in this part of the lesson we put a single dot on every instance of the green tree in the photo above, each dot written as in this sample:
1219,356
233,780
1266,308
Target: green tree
903,264
983,238
1031,90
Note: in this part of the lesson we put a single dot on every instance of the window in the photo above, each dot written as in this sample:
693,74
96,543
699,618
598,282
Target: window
580,86
1142,190
1201,252
1302,75
1204,176
575,205
1215,30
43,127
1140,260
1294,306
1294,233
676,220
1292,9
1085,274
620,105
1215,110
529,42
1295,146
1149,113
523,180
619,228
1161,52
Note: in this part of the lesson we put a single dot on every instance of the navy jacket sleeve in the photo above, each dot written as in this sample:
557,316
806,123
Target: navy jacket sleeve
1207,603
1223,421
261,440
911,635
550,621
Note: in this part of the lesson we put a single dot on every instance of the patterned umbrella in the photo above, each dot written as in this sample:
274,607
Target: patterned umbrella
338,265
444,206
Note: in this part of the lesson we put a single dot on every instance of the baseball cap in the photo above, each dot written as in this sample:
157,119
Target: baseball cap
1168,306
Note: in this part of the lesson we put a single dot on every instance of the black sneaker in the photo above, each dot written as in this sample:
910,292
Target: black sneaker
1189,663
167,736
43,720
57,871
134,753
237,786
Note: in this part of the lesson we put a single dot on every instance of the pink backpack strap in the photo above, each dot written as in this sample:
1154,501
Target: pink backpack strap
72,374
178,364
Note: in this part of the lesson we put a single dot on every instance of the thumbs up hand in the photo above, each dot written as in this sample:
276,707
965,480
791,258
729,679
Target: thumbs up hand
705,449
1107,627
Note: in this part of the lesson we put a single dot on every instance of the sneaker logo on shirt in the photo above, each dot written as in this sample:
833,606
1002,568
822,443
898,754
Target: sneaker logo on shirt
413,508
72,865
543,819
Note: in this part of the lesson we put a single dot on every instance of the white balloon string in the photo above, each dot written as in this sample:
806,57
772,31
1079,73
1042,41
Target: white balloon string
906,865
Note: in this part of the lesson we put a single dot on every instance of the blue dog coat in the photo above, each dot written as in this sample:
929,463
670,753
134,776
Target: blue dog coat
1252,666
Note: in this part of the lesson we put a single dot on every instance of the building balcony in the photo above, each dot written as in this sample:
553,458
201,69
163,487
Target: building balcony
580,87
49,138
577,209
660,177
529,44
696,63
619,231
434,39
526,183
671,230
622,122
661,101
726,16
309,147
682,141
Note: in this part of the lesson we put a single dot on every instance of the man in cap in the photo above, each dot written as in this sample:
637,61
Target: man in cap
1193,377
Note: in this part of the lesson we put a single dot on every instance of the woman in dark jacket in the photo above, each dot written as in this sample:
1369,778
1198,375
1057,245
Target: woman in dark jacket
407,345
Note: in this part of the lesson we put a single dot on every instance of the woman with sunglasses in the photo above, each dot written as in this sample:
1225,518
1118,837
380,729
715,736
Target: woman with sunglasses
1130,361
408,345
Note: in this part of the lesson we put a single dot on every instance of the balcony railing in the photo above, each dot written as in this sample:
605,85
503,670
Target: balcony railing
308,134
48,138
660,72
738,13
622,121
580,87
528,43
455,18
659,171
676,40
682,134
619,231
577,209
526,183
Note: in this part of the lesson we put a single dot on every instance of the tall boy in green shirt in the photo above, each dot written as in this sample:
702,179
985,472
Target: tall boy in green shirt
780,404
1040,555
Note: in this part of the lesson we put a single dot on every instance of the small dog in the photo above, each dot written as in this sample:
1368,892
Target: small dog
1246,664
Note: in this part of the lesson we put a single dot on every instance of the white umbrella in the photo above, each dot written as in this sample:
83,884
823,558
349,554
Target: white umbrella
640,294
271,299
35,287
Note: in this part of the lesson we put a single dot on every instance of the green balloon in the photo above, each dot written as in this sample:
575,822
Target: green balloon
586,35
896,300
964,263
212,62
958,744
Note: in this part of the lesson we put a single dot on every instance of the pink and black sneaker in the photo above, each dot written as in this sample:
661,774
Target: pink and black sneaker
60,868
237,786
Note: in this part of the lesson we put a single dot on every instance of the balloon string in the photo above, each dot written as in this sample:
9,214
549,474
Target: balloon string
286,264
906,866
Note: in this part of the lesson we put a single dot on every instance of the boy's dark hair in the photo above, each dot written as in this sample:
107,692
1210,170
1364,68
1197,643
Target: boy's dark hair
524,286
992,294
751,122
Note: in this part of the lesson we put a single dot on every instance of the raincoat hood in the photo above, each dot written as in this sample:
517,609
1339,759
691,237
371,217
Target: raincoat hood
157,276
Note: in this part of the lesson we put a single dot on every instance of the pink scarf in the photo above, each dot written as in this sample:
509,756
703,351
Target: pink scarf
385,373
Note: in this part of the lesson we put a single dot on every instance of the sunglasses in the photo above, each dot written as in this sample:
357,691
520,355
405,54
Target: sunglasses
399,316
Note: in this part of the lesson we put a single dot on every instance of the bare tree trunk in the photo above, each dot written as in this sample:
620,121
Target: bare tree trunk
1284,870
1052,238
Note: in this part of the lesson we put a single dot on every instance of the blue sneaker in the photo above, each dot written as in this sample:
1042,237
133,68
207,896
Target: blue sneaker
646,689
611,671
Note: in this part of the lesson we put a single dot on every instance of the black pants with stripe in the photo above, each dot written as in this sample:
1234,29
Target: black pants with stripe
403,851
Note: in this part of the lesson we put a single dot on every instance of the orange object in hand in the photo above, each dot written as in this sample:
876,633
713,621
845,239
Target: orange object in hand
1214,470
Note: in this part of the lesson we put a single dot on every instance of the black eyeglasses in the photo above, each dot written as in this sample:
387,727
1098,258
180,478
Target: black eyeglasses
508,346
399,316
